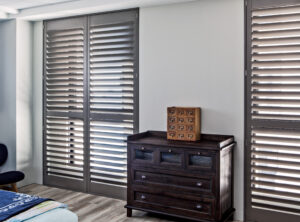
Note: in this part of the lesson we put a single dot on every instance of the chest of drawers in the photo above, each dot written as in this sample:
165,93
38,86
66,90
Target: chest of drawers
189,180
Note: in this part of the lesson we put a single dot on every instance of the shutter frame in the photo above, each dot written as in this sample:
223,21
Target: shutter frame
279,154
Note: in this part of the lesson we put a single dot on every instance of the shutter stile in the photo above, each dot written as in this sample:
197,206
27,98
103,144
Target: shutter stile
275,97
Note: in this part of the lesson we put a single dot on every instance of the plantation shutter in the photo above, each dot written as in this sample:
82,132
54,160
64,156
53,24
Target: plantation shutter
273,111
90,101
113,82
64,75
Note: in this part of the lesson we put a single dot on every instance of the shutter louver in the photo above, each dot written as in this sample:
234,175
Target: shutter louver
275,160
108,151
112,96
276,63
64,147
274,112
64,70
112,69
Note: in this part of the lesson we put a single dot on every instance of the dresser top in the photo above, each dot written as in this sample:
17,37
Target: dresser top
214,142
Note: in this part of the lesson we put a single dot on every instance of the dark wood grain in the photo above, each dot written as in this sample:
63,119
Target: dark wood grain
190,180
208,141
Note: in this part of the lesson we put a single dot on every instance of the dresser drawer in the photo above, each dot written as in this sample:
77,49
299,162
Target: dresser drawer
200,161
176,183
192,208
143,154
171,157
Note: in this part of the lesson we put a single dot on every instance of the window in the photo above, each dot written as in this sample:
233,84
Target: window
90,100
273,111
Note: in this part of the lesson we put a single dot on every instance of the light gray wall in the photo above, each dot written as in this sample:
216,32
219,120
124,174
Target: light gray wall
8,91
192,55
24,117
37,99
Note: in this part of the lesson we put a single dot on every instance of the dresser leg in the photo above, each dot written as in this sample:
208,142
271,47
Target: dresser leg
129,212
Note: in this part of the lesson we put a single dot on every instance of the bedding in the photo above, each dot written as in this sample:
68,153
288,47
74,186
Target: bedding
36,211
59,215
16,207
14,203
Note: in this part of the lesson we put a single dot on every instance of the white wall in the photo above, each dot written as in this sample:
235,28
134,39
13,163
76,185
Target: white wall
24,84
37,99
8,91
192,55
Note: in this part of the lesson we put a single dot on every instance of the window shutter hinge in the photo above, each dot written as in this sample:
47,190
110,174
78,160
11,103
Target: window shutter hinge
246,73
246,3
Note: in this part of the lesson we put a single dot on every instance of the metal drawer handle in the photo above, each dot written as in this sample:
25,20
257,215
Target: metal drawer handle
143,148
199,207
170,151
143,177
199,184
172,120
143,197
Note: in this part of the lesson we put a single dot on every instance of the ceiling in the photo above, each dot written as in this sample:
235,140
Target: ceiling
23,4
46,9
14,7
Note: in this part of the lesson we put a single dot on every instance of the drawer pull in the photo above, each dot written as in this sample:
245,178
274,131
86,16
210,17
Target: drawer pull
190,120
172,120
170,151
143,197
199,184
143,148
143,177
199,153
198,206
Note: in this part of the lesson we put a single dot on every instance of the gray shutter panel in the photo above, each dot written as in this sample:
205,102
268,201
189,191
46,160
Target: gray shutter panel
273,106
64,70
113,68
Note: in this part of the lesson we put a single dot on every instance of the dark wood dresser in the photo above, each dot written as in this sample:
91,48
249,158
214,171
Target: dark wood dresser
189,180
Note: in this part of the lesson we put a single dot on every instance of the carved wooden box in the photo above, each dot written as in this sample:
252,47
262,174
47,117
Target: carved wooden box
184,123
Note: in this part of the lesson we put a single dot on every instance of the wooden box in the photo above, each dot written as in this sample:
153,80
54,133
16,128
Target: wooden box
184,123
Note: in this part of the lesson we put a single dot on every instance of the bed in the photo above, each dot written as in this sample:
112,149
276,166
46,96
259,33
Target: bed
17,207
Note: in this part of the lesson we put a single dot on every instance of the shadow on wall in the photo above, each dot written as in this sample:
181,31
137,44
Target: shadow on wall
8,90
2,75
